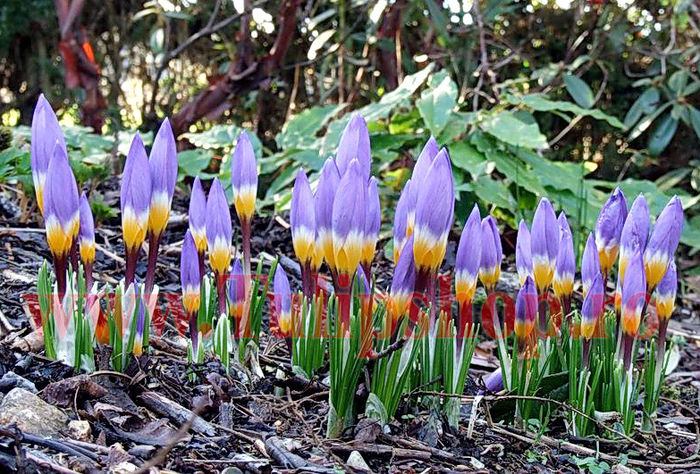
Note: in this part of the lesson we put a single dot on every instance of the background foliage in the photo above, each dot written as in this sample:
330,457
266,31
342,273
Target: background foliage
565,99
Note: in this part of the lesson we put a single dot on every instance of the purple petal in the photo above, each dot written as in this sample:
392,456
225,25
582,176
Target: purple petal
635,231
61,193
136,178
566,259
282,291
593,301
490,244
354,144
590,263
373,220
218,220
494,381
46,133
435,205
468,257
634,286
198,206
425,160
244,172
362,281
523,252
564,223
611,220
236,283
163,161
325,195
301,214
189,263
669,283
87,224
545,232
349,203
526,303
401,214
404,279
667,231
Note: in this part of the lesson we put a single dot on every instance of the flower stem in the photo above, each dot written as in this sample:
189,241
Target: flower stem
153,244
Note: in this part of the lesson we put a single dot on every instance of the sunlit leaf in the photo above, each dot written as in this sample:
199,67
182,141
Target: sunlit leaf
436,103
508,128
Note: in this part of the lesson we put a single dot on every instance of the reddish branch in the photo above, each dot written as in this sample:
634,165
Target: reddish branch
243,75
81,69
390,29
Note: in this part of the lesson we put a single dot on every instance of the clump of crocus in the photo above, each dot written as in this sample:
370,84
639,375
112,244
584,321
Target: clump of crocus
467,264
663,242
523,253
545,245
190,279
302,220
244,181
135,198
634,294
86,239
590,264
219,235
525,312
198,221
563,281
608,229
163,167
46,136
635,232
61,214
323,206
591,310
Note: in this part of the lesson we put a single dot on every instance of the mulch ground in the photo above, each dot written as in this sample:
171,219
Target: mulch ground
153,416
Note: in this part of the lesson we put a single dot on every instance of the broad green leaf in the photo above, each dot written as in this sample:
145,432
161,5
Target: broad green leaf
493,191
662,135
541,103
435,104
301,130
457,124
646,122
193,162
222,137
677,81
508,128
465,156
579,90
644,104
691,88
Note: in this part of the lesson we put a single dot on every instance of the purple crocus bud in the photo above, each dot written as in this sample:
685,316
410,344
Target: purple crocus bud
545,244
354,145
635,231
434,214
493,382
61,205
135,195
302,219
198,216
362,282
402,284
140,326
87,232
163,164
523,252
468,258
219,230
491,253
373,222
349,208
590,265
244,178
46,134
282,314
592,309
526,309
608,229
401,221
189,274
663,242
563,281
323,204
420,172
634,292
564,223
666,292
236,290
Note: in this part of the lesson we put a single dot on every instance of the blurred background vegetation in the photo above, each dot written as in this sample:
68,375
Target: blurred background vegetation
564,98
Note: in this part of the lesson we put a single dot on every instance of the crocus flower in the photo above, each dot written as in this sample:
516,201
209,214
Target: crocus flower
545,244
135,196
46,134
236,290
219,229
402,285
523,253
590,264
189,275
281,322
354,145
61,205
526,309
244,178
634,288
163,166
140,326
401,221
666,292
349,209
491,253
86,233
198,221
434,214
493,382
373,222
592,307
323,203
468,258
608,229
302,219
563,282
663,242
420,172
635,232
